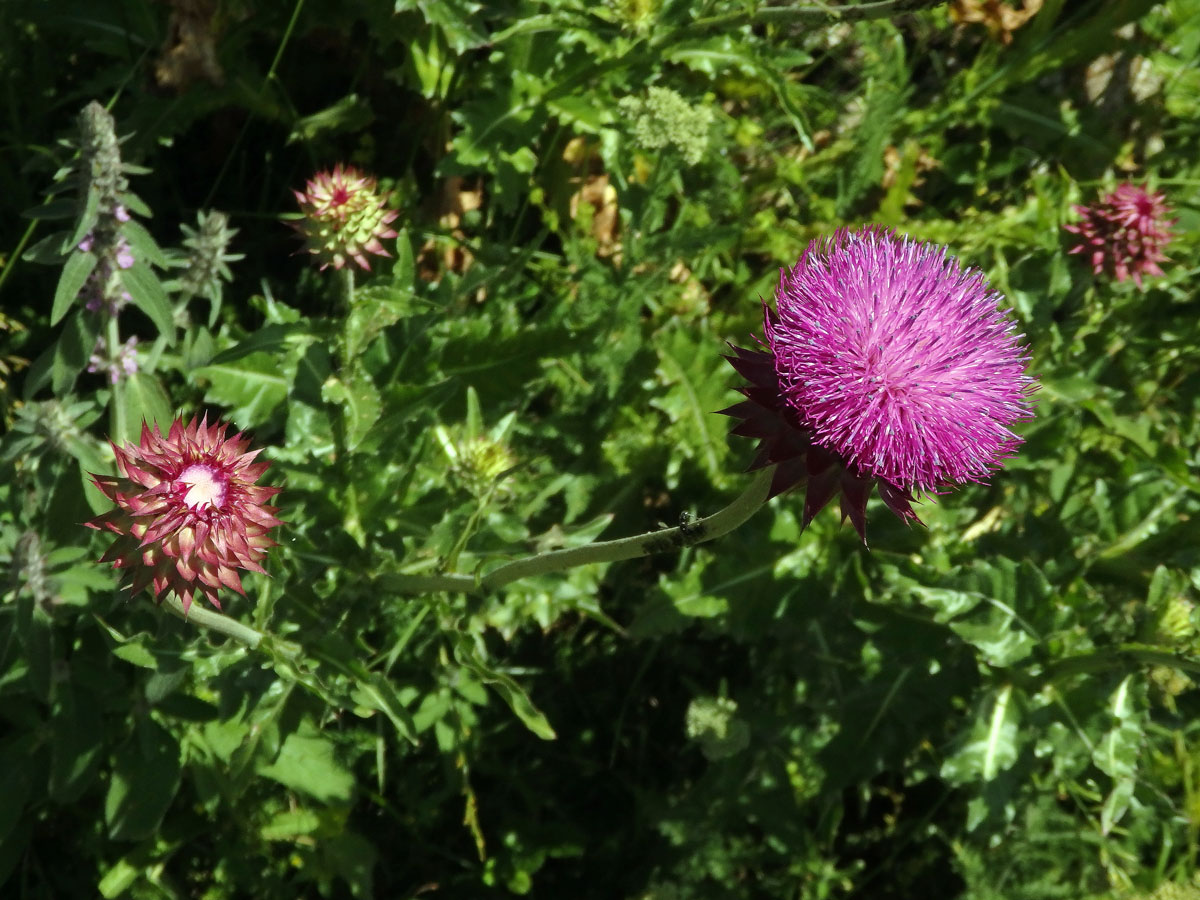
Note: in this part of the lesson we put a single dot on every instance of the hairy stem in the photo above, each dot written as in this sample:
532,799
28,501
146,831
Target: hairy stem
214,621
684,535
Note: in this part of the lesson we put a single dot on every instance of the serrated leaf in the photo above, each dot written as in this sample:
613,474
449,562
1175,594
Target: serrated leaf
378,694
510,692
74,274
404,270
350,113
138,398
990,746
268,339
360,404
371,314
253,386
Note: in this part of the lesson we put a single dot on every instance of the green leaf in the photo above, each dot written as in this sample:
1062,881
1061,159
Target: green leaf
87,220
148,295
510,692
378,694
17,768
359,401
290,824
268,339
308,763
404,271
75,751
118,879
75,272
351,113
72,350
143,244
454,17
136,399
991,746
145,778
371,314
253,386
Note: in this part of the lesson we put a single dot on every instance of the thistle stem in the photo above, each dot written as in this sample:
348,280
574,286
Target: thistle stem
1121,658
214,621
685,535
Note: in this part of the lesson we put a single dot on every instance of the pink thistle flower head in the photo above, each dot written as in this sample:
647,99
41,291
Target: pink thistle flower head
887,365
344,218
1125,233
188,514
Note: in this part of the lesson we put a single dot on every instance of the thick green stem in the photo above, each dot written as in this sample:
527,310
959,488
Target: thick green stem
684,535
1122,657
214,621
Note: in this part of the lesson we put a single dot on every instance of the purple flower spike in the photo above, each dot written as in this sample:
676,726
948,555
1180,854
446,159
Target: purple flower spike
889,366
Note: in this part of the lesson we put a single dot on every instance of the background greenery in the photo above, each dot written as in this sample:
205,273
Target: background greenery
997,705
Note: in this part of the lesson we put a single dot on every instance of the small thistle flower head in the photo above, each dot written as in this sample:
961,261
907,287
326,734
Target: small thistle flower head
188,514
1125,233
888,366
344,218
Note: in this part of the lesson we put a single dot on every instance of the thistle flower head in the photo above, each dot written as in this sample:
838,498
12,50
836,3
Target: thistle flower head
888,365
1125,233
343,218
189,514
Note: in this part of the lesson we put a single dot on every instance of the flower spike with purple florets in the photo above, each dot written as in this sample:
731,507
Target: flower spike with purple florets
887,365
343,218
189,514
1125,233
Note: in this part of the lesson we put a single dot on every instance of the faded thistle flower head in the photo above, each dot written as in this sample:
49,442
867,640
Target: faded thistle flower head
343,218
1125,233
664,119
189,514
887,366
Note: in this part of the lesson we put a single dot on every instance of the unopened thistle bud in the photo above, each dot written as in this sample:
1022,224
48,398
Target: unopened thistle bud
343,217
188,514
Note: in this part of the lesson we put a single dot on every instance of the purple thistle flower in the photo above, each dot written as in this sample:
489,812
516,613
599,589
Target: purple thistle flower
888,365
1125,233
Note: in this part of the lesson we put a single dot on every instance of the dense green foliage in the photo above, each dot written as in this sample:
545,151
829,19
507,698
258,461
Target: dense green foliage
593,198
